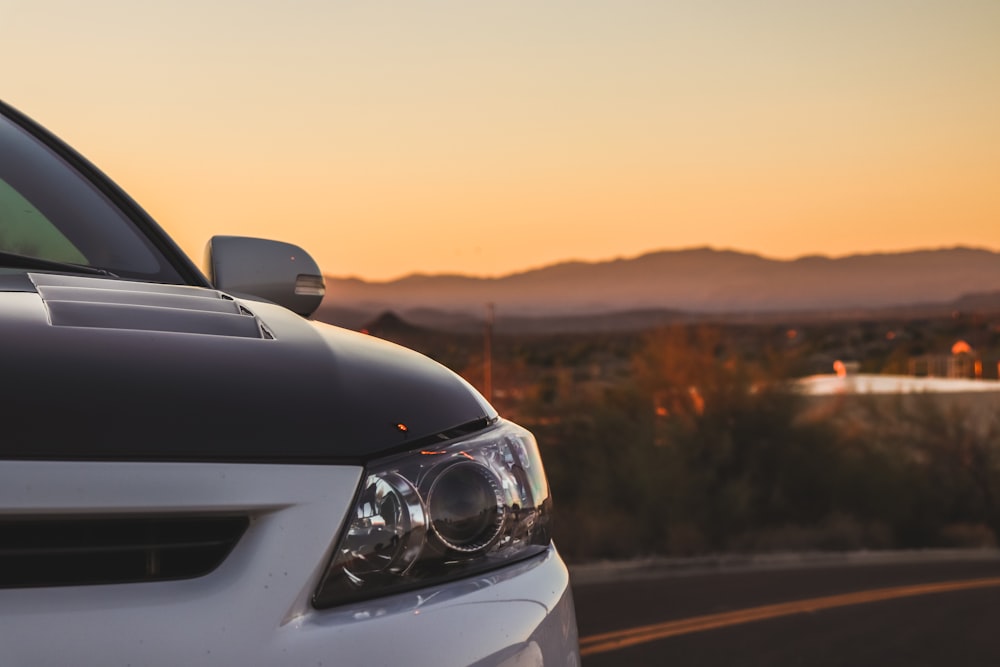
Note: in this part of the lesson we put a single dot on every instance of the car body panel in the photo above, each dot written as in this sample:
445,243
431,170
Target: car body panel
158,363
255,608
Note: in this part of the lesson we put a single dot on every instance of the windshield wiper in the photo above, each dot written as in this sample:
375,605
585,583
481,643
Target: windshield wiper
12,260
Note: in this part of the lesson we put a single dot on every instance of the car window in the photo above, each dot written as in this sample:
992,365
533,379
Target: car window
50,211
25,231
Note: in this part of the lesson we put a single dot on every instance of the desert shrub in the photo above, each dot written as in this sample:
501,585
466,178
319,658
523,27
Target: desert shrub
697,451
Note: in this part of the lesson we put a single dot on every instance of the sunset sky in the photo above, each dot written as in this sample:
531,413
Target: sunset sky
488,137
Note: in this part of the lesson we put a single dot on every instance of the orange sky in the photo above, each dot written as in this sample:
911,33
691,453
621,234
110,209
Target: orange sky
488,137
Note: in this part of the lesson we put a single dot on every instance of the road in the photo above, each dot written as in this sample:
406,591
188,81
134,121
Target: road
922,613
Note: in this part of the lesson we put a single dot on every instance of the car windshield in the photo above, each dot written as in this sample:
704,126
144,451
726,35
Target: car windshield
49,211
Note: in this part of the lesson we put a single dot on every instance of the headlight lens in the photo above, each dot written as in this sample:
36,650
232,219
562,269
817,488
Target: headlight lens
441,513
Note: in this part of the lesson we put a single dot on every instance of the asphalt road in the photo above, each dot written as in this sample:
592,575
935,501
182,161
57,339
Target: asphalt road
797,616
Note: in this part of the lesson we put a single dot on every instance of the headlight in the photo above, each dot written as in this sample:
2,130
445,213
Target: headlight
441,513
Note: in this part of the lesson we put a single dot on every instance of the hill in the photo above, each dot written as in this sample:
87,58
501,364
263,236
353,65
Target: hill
702,281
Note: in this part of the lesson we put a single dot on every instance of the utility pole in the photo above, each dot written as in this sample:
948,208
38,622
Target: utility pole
488,354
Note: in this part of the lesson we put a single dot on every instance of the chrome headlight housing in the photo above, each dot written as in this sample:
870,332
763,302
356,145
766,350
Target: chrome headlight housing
441,513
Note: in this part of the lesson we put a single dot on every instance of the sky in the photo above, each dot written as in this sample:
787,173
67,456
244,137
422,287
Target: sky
484,138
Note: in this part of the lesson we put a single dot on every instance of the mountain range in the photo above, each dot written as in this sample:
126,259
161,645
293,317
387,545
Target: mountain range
695,281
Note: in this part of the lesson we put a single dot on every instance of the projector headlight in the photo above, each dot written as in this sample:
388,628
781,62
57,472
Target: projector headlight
441,513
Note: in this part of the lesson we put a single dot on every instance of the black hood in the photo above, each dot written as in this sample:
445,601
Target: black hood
96,369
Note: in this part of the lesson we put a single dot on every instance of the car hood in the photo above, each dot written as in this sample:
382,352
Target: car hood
98,368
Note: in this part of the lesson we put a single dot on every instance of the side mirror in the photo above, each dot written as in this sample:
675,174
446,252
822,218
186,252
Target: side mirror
272,270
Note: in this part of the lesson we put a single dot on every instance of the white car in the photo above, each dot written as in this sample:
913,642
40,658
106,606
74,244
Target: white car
192,472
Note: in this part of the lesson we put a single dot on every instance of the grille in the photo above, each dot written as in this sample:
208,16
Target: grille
81,551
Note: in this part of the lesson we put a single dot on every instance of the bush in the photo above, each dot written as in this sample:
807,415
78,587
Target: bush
698,452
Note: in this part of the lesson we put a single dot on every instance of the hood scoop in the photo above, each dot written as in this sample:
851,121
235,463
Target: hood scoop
102,303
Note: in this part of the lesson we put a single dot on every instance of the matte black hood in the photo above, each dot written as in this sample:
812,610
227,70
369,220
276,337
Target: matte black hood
94,368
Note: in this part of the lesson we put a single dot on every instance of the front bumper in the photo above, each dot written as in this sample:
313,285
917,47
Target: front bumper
254,609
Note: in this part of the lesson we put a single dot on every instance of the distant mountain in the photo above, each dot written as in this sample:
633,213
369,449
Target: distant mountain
701,280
